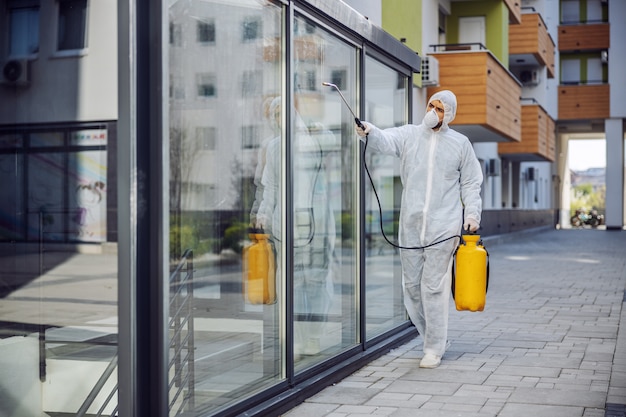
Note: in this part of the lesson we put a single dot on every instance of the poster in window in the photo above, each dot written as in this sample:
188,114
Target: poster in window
88,196
89,137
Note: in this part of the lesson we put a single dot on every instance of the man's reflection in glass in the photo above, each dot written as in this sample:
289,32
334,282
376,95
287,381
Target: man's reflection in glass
314,224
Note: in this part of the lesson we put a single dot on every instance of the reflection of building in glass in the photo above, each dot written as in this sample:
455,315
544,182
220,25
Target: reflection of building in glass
58,106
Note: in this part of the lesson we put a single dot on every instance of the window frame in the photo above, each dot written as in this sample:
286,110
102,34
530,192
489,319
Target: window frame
69,52
14,5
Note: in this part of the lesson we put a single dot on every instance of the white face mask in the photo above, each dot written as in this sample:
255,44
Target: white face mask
431,119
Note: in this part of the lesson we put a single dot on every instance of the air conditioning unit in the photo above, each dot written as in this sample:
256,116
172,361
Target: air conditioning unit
493,168
430,71
16,72
529,77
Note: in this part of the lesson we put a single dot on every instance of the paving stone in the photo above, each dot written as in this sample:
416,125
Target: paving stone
424,387
534,410
527,371
569,397
340,395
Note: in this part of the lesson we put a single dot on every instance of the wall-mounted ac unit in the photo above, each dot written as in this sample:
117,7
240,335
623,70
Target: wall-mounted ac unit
16,72
492,168
430,71
529,77
604,56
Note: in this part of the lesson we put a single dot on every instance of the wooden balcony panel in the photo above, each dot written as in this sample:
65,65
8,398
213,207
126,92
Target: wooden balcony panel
538,137
487,94
503,95
464,74
532,37
551,139
584,37
546,45
524,38
515,11
581,102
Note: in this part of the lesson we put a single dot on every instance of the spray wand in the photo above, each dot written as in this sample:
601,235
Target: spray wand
380,210
356,119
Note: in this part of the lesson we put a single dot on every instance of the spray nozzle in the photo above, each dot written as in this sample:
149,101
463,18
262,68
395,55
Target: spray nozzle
356,119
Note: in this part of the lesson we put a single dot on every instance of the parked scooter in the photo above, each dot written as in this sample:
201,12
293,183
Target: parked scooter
591,218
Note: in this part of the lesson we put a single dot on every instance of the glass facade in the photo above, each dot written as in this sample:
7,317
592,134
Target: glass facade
386,106
195,237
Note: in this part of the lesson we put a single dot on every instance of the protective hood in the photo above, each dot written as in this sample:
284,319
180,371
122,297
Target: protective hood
448,99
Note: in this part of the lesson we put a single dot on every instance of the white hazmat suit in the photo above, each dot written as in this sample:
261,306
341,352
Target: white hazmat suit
441,179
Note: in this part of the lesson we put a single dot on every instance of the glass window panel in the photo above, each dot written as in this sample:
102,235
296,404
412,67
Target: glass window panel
72,21
252,28
206,85
324,188
47,139
45,197
215,190
205,31
386,107
11,141
570,11
23,30
11,199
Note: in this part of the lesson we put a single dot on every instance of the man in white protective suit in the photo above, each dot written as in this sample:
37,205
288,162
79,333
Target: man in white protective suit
441,179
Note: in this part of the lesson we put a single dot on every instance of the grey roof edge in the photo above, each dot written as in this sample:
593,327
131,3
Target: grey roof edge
355,22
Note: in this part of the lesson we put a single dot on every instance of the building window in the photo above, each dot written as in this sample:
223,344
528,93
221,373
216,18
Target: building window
338,78
249,137
176,34
206,138
251,83
306,81
252,28
177,88
24,29
71,25
205,32
206,85
570,11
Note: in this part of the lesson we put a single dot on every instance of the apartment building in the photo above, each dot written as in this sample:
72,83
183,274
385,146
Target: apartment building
141,140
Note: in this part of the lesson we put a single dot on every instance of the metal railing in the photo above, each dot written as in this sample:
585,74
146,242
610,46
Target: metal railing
456,47
181,327
182,336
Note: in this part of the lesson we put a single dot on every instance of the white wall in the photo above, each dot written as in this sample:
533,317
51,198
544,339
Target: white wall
68,86
617,58
372,9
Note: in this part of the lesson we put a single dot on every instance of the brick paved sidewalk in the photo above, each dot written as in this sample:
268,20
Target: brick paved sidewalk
550,342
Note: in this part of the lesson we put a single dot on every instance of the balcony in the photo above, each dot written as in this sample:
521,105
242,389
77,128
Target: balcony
515,11
584,37
530,44
538,137
487,93
584,102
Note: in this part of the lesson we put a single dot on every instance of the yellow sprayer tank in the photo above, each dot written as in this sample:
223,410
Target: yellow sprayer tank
259,270
470,274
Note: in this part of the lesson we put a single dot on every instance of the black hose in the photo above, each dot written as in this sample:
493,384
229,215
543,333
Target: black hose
380,210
